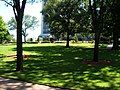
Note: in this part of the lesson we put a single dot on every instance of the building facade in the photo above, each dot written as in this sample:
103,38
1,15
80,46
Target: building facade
45,30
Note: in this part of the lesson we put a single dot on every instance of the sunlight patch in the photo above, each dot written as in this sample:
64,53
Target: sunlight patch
96,73
86,72
117,80
100,83
106,69
103,84
45,80
78,58
57,55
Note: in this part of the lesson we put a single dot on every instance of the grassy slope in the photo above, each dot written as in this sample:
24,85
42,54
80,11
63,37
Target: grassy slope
55,65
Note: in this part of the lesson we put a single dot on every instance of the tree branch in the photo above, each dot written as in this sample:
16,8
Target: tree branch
17,6
16,16
7,2
23,6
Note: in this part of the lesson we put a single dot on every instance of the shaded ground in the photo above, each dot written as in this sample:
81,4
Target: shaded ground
63,67
9,84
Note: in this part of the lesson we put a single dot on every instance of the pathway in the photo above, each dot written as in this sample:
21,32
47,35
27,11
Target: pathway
10,84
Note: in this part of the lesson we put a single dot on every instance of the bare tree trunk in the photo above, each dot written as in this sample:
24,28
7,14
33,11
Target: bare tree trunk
68,33
93,12
97,23
67,44
116,24
19,66
24,38
96,46
115,40
19,13
24,33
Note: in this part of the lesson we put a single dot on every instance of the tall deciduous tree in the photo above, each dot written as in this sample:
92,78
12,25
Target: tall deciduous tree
115,7
112,21
29,22
18,9
65,16
96,9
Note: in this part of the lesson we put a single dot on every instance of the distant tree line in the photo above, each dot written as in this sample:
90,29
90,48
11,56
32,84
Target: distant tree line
29,22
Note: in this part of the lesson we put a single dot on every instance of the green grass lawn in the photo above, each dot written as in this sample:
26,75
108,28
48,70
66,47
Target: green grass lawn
55,65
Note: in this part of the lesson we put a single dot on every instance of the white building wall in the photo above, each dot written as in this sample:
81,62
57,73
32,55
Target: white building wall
44,27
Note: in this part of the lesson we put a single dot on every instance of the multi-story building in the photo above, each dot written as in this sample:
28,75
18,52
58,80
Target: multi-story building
45,31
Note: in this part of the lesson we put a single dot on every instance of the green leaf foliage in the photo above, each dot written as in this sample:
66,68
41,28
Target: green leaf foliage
59,14
3,30
29,22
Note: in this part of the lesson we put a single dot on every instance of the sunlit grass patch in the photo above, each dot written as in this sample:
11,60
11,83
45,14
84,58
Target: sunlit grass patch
54,65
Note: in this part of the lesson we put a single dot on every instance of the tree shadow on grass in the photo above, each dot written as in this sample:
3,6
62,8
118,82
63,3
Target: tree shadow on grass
63,67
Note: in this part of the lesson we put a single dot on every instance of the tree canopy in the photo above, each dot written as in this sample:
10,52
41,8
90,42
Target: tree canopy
29,22
66,16
18,7
4,34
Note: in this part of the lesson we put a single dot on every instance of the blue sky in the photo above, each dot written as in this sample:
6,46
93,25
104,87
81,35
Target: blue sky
31,9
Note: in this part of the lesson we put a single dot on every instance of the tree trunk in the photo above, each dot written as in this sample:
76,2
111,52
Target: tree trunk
115,39
0,41
93,13
24,38
18,9
19,13
116,24
67,44
19,66
96,47
96,29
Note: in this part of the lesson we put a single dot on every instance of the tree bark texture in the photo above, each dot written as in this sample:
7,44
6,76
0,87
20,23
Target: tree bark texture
67,44
116,23
19,13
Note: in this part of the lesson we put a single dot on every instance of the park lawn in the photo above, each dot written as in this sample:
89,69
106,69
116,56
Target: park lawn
55,65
